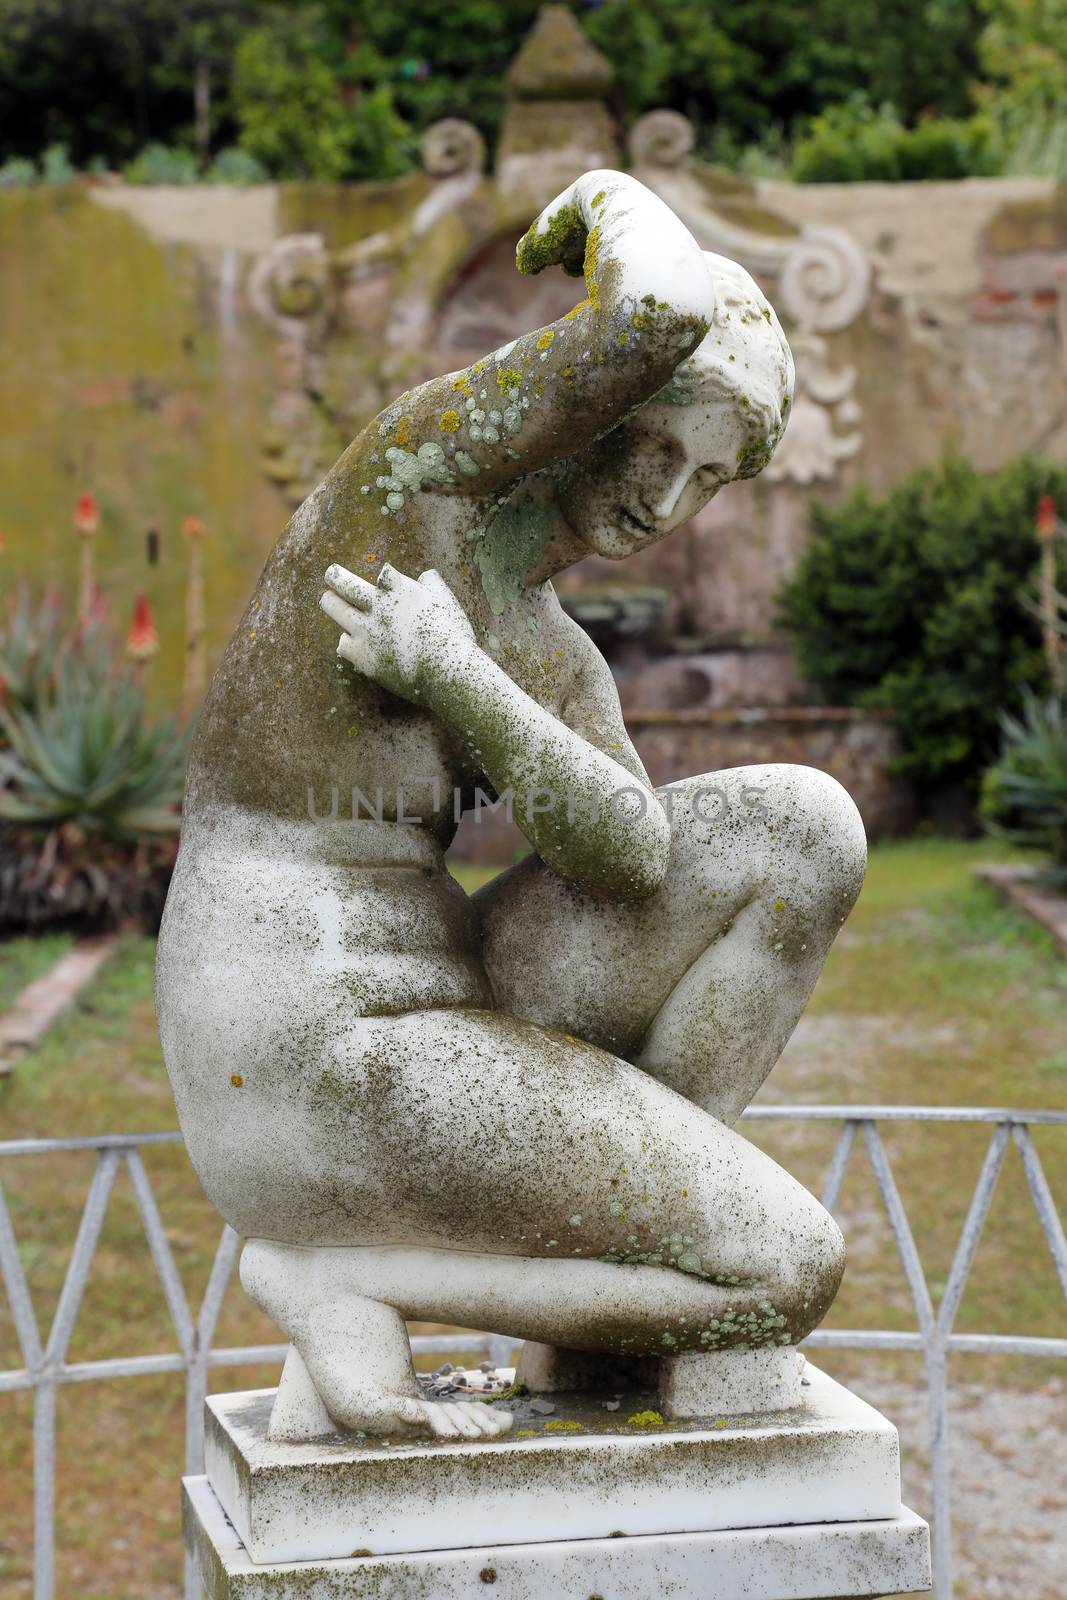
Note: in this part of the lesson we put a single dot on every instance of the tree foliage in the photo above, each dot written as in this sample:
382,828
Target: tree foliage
327,88
107,77
290,115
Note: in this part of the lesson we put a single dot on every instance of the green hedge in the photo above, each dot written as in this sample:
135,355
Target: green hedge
854,143
917,603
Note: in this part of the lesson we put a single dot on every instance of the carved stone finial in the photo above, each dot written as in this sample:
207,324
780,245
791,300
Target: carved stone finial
452,146
556,123
825,281
558,62
661,139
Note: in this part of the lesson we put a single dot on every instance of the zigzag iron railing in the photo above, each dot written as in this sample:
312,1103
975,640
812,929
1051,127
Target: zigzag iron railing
45,1365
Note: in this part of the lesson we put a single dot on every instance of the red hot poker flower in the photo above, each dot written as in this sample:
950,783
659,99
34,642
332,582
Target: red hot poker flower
86,515
142,641
1046,520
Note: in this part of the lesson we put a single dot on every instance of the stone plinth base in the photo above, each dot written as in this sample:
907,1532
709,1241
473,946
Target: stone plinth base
819,1561
579,1467
592,1496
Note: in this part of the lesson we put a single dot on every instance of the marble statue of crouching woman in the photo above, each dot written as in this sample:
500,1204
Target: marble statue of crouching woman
513,1111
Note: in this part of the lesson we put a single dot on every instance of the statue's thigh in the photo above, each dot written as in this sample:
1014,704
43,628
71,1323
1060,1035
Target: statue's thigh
602,969
492,1134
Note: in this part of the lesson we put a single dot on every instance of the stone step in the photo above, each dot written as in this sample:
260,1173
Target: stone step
581,1473
812,1562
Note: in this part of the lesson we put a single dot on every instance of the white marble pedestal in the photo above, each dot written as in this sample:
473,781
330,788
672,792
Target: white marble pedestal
802,1504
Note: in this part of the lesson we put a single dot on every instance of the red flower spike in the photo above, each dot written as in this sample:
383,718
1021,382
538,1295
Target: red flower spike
142,641
1046,520
194,528
86,515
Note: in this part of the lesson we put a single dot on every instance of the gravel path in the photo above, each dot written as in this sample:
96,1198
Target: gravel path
1009,1482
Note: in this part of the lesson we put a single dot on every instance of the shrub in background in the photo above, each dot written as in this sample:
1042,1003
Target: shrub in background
918,603
32,635
381,142
160,163
55,167
285,96
857,143
234,165
1024,795
90,754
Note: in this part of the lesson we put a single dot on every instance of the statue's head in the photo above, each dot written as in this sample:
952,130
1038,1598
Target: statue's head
720,417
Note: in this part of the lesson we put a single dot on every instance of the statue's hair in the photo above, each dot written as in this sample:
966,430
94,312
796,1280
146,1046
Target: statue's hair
743,357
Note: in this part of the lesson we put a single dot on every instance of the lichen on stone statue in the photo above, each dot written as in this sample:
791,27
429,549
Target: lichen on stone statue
608,1007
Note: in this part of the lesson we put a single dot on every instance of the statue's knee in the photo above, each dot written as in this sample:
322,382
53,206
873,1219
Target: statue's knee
835,816
829,843
805,1274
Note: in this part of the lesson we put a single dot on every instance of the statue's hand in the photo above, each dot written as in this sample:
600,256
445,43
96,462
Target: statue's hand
398,631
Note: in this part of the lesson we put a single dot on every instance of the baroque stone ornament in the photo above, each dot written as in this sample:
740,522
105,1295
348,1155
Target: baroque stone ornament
452,146
813,446
327,993
661,139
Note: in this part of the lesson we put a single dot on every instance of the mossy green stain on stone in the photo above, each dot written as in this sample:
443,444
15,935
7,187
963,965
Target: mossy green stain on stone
511,549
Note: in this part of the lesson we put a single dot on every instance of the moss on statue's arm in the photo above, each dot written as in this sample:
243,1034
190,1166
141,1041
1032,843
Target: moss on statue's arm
549,393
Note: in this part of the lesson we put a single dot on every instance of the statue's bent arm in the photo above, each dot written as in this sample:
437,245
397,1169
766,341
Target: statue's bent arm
585,813
592,708
649,302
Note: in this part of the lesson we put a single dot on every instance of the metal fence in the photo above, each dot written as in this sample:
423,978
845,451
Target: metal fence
45,1366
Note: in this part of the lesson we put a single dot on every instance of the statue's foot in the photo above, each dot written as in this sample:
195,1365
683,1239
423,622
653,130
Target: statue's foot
366,1381
354,1357
367,1384
453,1419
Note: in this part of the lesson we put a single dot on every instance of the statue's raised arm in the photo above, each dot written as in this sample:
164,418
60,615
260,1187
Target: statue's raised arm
649,301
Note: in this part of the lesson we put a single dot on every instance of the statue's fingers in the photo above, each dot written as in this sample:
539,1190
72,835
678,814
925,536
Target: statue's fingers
355,648
345,616
432,580
357,591
391,578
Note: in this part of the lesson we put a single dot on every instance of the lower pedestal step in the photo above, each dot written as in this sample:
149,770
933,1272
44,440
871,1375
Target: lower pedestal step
819,1561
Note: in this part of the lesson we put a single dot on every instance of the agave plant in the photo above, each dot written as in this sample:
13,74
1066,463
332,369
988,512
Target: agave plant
32,635
1024,796
90,756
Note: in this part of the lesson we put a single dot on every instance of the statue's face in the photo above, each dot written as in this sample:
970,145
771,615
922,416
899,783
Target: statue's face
652,473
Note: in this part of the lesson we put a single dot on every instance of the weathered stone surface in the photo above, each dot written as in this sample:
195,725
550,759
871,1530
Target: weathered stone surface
730,1383
580,1473
815,1562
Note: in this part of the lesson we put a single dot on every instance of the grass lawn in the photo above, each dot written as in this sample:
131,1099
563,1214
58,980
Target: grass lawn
936,994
